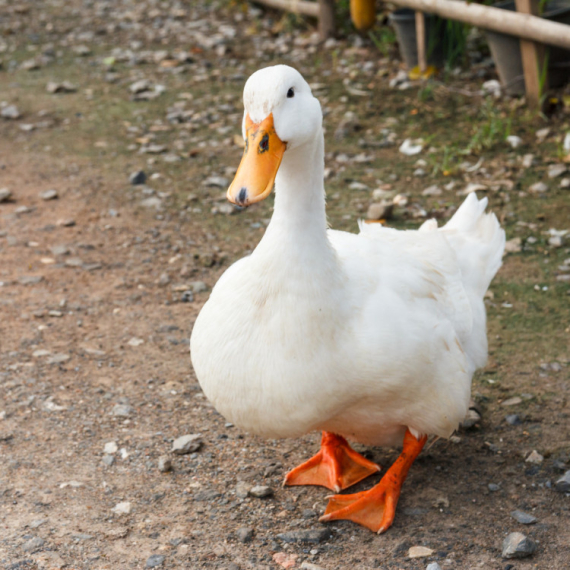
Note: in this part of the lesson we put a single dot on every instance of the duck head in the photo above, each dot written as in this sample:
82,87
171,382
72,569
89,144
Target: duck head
281,116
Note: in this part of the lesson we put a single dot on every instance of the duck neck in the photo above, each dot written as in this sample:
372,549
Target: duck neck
299,214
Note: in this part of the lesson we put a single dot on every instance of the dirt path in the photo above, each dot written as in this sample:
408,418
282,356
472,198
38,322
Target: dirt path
94,350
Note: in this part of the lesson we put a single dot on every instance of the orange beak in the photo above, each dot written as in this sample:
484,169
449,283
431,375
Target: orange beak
259,165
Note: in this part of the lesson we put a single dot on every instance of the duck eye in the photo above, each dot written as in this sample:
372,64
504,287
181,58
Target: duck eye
290,93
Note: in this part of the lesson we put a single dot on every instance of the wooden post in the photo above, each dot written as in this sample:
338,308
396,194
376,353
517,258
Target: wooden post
532,55
327,26
421,41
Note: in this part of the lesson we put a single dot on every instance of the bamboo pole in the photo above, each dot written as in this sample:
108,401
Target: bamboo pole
421,41
524,26
296,6
532,55
326,19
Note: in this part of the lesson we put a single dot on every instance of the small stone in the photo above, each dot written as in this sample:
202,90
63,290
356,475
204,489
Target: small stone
59,358
513,245
513,420
534,457
493,487
108,460
380,211
565,183
137,178
123,508
432,191
419,552
522,517
411,147
471,419
30,279
217,182
198,286
66,222
122,410
152,202
33,544
164,279
514,401
58,250
517,545
187,297
433,566
242,489
541,134
563,484
135,341
226,209
514,141
5,194
155,560
164,464
10,112
140,86
111,447
538,188
305,536
244,534
187,444
555,170
50,194
261,491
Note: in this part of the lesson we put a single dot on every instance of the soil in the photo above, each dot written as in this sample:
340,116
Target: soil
96,314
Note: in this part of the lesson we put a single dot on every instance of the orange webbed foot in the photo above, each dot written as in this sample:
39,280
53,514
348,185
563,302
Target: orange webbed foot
376,508
336,466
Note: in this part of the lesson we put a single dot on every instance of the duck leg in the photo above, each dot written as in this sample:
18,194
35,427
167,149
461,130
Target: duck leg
376,508
336,466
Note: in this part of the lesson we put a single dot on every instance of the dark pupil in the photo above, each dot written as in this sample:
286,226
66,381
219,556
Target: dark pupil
290,93
264,144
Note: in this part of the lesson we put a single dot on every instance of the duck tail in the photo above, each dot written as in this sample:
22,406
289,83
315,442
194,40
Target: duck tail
478,241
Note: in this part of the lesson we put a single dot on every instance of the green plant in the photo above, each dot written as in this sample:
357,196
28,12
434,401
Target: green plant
492,128
384,39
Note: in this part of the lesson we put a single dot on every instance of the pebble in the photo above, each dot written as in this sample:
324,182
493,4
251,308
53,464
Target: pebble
187,444
10,112
538,188
33,544
555,170
50,194
198,286
433,566
522,517
472,418
217,182
563,484
152,202
410,147
58,358
514,141
58,250
432,191
63,87
261,491
242,489
155,560
108,460
534,457
187,297
513,419
137,178
30,279
123,508
164,464
514,401
517,545
111,447
122,410
5,194
493,487
305,536
419,552
244,534
380,211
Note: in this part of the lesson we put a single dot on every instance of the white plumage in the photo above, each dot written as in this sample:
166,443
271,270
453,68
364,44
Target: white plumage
362,335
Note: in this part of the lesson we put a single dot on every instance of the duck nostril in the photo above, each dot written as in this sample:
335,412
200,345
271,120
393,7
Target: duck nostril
242,196
264,144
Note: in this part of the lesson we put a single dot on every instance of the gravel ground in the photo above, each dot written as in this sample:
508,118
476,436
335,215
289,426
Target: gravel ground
110,455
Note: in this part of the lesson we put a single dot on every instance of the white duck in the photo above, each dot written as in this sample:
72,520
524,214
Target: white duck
372,337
